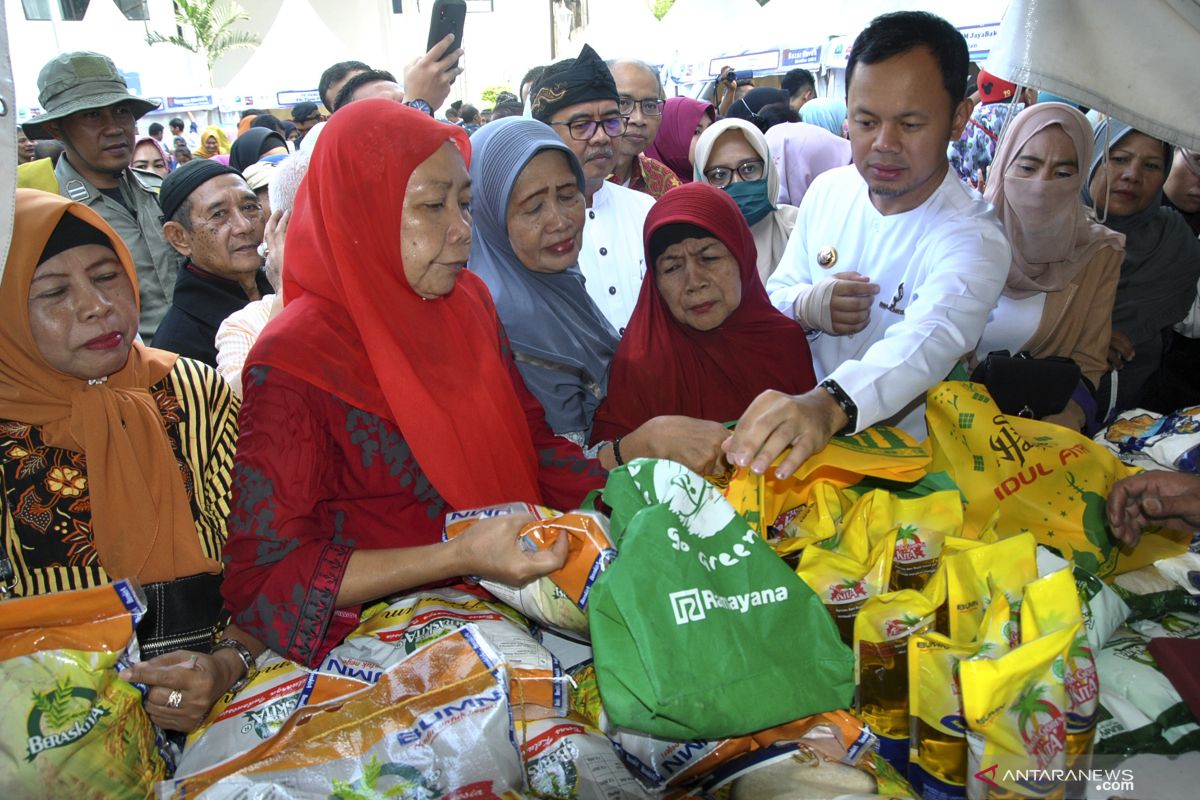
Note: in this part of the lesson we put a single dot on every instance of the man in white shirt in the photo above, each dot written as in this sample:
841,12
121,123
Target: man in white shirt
893,263
577,97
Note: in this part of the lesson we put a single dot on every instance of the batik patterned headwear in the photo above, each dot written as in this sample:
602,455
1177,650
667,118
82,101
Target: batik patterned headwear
570,81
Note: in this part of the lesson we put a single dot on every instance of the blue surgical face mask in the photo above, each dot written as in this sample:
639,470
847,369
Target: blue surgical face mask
752,199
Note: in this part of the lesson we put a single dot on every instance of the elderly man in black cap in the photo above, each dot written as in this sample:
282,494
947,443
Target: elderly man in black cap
578,98
89,109
215,221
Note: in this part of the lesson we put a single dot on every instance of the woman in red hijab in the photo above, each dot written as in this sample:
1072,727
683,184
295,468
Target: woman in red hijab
382,396
704,339
683,120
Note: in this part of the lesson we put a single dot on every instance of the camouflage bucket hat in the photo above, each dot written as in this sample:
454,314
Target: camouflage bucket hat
80,81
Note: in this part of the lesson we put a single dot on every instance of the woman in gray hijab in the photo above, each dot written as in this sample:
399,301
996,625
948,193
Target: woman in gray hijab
1162,258
562,343
527,213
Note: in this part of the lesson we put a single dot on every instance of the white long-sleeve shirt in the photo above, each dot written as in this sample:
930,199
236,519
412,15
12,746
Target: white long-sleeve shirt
612,259
940,268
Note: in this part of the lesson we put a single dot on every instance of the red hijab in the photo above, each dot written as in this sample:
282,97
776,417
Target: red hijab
673,142
665,367
353,326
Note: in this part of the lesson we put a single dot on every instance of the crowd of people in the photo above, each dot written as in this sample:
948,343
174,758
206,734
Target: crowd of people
255,375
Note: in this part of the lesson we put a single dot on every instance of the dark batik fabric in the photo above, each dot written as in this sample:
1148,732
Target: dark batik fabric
316,479
651,177
47,517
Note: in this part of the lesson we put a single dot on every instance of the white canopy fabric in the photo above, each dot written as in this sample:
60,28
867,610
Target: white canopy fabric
623,29
1136,61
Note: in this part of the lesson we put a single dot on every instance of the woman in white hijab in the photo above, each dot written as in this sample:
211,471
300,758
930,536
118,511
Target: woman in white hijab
733,155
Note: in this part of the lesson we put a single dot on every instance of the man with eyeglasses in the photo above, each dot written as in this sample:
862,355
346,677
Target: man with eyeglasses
640,99
577,97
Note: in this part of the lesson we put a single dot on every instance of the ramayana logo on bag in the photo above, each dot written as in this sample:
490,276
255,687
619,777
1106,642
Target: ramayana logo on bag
693,605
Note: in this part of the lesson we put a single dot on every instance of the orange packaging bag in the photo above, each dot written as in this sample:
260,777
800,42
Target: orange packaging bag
557,600
1039,477
435,725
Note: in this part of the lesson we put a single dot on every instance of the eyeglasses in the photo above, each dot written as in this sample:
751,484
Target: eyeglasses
584,129
721,177
651,108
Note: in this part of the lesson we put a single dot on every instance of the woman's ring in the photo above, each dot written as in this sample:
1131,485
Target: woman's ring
263,250
175,699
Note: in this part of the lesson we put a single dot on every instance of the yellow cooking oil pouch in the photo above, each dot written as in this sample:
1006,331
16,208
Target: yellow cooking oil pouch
844,584
1052,603
880,452
972,575
71,727
938,744
938,747
881,639
1016,713
923,524
1040,477
935,587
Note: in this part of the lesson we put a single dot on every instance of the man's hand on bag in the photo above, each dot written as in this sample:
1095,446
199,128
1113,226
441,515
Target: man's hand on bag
850,304
775,422
1154,498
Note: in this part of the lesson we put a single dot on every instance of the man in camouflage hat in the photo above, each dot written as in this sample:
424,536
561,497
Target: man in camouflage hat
89,109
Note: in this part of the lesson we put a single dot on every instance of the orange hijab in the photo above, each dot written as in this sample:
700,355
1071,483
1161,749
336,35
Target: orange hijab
142,523
352,326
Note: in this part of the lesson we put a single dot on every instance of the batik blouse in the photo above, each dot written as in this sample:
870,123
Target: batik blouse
46,521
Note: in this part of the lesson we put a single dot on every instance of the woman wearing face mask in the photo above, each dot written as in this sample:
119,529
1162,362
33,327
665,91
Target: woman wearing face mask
733,155
1058,297
1162,257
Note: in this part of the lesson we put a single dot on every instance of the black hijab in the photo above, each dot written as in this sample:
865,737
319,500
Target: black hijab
250,146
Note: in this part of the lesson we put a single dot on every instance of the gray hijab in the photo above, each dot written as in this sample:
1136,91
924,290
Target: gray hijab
563,345
1162,257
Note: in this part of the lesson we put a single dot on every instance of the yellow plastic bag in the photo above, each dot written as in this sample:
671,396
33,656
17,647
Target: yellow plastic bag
1052,603
879,452
817,521
1016,713
1042,478
881,639
71,727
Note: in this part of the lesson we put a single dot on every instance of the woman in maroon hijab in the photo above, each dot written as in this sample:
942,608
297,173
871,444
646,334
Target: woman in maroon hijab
683,120
704,339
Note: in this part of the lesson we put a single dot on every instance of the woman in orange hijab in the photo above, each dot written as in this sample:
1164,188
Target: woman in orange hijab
383,396
113,456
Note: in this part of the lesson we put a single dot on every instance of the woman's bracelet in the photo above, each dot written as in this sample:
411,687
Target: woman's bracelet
616,448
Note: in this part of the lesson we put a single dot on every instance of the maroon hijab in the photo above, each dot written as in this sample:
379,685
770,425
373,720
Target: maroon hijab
663,366
681,115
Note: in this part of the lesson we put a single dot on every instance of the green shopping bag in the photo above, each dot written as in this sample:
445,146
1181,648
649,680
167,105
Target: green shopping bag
699,631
